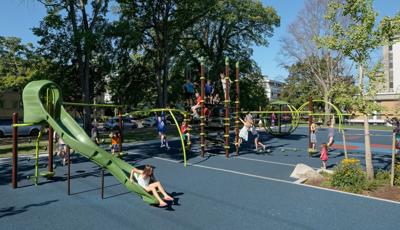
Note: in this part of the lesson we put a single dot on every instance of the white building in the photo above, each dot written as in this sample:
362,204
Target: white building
389,94
391,62
273,88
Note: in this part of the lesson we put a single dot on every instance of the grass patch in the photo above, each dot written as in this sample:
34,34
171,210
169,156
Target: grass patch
23,148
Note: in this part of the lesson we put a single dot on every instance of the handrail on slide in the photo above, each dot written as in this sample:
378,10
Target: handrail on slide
38,109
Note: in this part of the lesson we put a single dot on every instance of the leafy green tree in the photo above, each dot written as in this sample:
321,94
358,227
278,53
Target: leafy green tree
155,29
71,37
18,63
325,66
300,86
357,40
229,29
252,92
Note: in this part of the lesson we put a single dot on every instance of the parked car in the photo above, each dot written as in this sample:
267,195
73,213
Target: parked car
6,129
113,123
149,122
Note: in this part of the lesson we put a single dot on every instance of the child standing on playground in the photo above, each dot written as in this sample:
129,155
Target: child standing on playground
313,135
188,88
162,130
324,155
209,90
145,178
115,138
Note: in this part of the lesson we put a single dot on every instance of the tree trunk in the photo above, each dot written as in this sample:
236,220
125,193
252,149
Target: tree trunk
86,96
158,82
368,155
327,108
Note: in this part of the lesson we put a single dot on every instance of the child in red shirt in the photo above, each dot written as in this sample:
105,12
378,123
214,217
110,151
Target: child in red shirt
184,131
324,155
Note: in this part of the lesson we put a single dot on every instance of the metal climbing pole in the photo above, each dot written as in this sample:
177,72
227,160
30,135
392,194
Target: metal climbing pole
202,115
226,122
310,120
237,110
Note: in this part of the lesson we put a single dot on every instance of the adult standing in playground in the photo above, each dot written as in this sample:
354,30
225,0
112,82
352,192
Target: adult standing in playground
188,88
331,133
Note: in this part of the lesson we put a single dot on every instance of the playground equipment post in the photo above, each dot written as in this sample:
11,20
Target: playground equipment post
68,150
310,120
120,130
237,110
50,149
15,151
202,115
393,159
227,107
102,183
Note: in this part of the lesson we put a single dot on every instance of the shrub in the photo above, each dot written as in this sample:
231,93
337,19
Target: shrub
397,174
349,176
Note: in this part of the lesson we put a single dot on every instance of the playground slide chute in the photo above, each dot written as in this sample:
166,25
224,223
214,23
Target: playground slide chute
42,104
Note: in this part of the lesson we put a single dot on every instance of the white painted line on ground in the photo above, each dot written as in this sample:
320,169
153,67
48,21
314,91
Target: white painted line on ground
265,161
259,160
272,179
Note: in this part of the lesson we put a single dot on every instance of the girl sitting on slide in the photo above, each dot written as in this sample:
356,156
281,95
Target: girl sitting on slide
145,178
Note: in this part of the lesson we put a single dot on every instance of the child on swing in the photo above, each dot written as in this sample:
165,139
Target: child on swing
162,130
145,178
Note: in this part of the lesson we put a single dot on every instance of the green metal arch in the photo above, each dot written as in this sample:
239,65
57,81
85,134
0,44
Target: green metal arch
338,112
184,113
295,118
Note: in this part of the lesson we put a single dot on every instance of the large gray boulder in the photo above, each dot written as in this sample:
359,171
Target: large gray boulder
305,172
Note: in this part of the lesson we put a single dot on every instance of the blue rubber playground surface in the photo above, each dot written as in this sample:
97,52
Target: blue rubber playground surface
251,191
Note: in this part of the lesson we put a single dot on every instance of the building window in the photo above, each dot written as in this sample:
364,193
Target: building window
390,48
391,65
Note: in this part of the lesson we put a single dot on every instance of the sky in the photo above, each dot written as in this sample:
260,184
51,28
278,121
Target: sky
17,17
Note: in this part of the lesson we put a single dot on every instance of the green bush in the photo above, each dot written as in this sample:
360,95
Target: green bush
397,174
349,176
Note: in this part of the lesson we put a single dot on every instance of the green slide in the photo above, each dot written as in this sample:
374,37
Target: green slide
43,104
